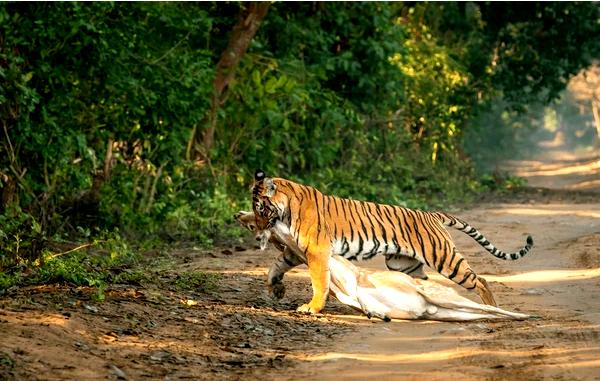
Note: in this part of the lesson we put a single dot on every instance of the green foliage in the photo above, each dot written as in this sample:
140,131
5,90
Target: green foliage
502,182
136,277
180,207
345,46
8,280
92,74
440,96
86,265
540,45
525,53
21,238
6,361
100,105
313,110
74,269
197,281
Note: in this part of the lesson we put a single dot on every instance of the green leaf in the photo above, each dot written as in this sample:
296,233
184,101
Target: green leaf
271,85
27,77
256,78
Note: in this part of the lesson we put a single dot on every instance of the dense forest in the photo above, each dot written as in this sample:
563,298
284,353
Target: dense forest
144,122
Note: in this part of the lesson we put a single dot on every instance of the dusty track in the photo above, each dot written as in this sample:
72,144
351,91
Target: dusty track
559,281
151,331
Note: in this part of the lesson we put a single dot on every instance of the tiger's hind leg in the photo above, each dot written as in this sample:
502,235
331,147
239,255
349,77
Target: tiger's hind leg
407,265
458,270
485,293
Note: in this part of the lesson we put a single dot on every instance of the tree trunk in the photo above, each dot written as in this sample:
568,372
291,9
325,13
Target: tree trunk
242,34
8,192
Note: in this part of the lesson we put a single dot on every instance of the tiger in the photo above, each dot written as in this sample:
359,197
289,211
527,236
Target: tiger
382,294
324,225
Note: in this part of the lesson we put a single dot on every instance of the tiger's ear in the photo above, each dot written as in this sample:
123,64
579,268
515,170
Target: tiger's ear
259,175
271,187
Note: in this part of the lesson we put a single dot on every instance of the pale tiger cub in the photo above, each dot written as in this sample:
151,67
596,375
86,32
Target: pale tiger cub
324,225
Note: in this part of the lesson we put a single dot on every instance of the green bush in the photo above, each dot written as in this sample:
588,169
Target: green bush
21,238
103,105
197,281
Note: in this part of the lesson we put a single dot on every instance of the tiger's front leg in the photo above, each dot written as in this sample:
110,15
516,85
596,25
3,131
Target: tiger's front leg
318,268
286,261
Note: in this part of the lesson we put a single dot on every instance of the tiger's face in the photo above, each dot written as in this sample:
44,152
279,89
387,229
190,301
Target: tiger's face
266,201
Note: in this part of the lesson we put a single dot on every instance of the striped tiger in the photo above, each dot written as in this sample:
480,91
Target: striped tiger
383,294
325,225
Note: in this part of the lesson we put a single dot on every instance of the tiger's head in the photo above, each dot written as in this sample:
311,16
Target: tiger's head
268,203
249,221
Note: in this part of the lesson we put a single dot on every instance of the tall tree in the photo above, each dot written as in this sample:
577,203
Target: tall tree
242,33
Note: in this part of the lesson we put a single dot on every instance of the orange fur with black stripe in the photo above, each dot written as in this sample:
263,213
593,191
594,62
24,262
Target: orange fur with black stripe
325,225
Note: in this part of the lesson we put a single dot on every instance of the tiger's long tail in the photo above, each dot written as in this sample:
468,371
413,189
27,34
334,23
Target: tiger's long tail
464,227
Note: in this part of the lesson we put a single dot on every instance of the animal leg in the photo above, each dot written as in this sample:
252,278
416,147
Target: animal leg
459,271
372,307
318,267
284,263
407,265
485,293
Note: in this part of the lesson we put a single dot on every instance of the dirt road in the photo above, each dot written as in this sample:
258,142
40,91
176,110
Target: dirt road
150,330
559,281
560,169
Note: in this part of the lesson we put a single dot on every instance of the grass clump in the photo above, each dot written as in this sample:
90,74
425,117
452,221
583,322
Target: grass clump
197,280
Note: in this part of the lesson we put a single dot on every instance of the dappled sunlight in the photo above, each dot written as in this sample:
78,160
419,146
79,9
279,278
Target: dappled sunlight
57,320
549,212
450,354
586,184
594,363
255,272
399,341
584,168
136,343
544,276
28,319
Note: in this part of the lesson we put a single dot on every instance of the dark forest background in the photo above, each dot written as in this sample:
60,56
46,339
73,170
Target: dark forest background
127,126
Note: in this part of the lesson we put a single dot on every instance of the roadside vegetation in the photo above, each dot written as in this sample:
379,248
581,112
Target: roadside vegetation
126,127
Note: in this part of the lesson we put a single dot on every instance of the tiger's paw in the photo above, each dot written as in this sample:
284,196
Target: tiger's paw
308,309
277,290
